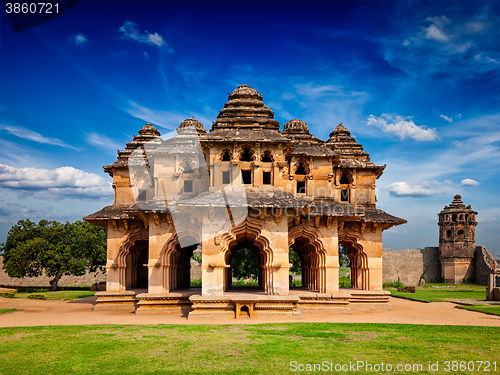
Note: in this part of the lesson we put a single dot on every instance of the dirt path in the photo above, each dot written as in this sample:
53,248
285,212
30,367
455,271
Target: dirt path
42,313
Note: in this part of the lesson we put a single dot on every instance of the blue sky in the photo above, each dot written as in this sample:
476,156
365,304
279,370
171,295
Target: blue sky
416,82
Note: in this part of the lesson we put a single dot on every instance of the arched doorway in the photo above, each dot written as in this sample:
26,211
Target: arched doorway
245,261
358,262
310,261
136,266
176,264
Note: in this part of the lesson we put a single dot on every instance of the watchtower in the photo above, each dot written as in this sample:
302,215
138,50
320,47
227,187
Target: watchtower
457,242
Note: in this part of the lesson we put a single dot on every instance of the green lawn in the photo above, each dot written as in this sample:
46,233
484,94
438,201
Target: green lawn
490,309
2,311
62,294
428,293
240,349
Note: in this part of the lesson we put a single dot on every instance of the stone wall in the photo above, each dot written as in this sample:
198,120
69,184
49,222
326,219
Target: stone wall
483,265
409,264
87,279
195,270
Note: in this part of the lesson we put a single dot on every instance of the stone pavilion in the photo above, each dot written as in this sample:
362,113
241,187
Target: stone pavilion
243,184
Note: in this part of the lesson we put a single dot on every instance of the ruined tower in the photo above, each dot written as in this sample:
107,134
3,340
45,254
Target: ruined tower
457,242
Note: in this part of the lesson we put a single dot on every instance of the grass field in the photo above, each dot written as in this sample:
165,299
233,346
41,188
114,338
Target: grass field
2,311
494,310
239,349
67,295
444,292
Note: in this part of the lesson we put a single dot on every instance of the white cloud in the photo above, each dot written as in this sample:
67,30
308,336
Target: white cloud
464,48
433,32
469,182
166,119
403,128
60,181
79,39
129,30
446,118
402,189
102,141
311,91
34,136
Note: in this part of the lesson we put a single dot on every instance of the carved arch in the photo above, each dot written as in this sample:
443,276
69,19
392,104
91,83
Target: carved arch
313,256
301,164
173,262
126,247
360,275
251,230
246,152
225,155
267,157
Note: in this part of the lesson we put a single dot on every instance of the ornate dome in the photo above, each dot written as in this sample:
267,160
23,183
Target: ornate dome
295,126
193,124
341,141
245,109
245,91
149,129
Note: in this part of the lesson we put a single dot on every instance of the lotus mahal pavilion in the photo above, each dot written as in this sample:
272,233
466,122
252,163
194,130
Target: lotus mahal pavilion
243,184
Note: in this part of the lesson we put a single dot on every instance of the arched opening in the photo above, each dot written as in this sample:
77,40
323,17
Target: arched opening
448,233
136,266
358,263
244,264
247,155
344,268
460,233
177,264
226,155
247,266
311,264
344,180
187,167
454,217
267,157
301,169
295,270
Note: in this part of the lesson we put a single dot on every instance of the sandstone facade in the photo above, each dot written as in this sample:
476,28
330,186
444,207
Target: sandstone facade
244,184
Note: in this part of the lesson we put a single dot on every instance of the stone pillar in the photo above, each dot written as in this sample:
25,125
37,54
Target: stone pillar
276,231
375,273
329,239
489,288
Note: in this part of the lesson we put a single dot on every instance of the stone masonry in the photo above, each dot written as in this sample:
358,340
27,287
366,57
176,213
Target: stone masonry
87,279
410,264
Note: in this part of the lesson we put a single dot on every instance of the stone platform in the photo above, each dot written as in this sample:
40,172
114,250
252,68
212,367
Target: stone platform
244,302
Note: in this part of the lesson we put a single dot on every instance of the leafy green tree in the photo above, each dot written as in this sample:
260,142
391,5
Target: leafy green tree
343,257
58,249
295,260
244,263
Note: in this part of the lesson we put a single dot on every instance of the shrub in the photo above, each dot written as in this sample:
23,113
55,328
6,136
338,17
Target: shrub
195,283
297,283
344,282
98,287
36,296
242,282
407,289
394,284
8,293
